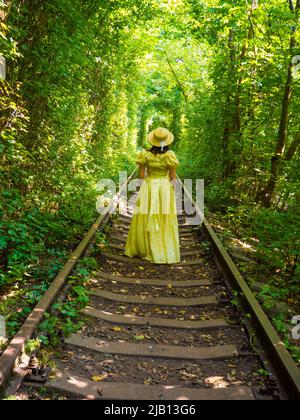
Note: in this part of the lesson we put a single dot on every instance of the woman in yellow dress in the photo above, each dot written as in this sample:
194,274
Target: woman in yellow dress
153,233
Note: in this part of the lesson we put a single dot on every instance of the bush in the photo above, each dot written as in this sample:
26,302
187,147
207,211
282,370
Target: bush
279,237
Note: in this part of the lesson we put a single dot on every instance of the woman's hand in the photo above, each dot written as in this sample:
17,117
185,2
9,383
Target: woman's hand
141,182
173,176
174,182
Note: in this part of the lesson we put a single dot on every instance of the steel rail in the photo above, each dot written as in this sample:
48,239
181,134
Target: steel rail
286,370
16,346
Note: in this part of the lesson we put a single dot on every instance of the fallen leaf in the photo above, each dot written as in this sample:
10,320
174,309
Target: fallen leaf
116,329
186,376
99,378
139,337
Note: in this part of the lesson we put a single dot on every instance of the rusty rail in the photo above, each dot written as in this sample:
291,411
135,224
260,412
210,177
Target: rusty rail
16,346
286,370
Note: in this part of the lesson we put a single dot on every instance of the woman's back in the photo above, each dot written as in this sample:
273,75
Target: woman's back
158,164
153,233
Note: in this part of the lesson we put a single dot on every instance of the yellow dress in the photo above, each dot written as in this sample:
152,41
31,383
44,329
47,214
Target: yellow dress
153,233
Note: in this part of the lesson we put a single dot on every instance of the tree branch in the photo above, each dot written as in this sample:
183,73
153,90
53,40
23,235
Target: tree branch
291,151
291,5
176,77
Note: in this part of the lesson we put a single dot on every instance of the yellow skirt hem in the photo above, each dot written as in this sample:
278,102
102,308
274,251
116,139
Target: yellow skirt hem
149,259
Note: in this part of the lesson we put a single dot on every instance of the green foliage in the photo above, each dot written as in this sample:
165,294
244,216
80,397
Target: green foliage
270,296
279,245
280,323
264,372
64,317
32,345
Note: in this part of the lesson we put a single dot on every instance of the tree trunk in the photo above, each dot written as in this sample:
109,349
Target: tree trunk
291,151
233,121
267,194
228,129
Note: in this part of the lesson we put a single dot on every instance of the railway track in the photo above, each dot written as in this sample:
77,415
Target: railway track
159,332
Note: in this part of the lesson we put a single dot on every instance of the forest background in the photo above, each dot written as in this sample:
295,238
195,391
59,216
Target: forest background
85,82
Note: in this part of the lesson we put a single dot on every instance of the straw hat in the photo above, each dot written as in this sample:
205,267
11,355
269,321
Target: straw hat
160,137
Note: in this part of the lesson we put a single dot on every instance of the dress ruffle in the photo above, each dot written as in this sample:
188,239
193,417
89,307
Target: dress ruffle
169,158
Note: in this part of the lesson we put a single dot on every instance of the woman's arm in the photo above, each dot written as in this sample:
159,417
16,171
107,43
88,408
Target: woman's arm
142,171
172,174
